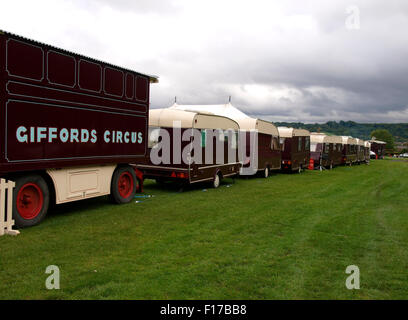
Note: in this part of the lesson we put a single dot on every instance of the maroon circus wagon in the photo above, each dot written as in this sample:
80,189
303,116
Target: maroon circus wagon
325,151
268,153
72,126
295,146
205,162
349,150
378,147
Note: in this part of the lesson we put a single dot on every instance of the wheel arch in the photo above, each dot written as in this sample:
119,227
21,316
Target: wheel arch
219,172
47,178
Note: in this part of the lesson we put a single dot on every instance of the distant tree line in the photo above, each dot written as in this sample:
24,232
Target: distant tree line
399,131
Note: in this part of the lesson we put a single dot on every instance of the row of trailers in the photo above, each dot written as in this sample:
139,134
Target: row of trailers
277,148
329,151
75,128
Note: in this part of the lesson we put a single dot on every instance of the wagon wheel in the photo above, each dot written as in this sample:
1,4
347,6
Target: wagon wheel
124,184
31,198
266,172
216,181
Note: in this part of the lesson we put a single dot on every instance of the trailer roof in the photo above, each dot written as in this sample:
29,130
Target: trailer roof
360,142
367,144
377,141
225,110
348,140
286,132
166,117
257,124
228,110
152,78
316,137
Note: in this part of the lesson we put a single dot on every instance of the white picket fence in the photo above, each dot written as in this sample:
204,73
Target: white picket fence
6,215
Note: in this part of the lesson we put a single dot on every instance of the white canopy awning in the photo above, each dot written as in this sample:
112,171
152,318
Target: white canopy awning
225,110
228,110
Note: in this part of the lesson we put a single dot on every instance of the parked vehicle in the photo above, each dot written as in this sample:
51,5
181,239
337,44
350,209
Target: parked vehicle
295,146
72,127
174,168
268,152
360,151
326,151
349,150
367,147
77,128
378,147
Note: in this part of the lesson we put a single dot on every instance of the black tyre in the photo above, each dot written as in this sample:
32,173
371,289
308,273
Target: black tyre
31,198
123,185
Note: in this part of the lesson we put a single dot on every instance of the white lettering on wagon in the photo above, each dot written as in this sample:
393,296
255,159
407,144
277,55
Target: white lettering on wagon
74,135
21,137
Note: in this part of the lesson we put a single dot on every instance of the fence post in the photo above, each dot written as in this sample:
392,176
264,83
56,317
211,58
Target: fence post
2,206
6,216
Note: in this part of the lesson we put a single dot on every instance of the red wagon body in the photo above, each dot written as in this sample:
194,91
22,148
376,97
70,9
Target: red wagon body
63,111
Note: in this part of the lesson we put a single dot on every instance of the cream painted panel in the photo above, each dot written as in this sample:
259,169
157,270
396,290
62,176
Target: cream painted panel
81,182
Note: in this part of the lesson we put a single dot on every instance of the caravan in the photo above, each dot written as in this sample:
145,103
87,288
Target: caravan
295,146
268,153
325,151
190,147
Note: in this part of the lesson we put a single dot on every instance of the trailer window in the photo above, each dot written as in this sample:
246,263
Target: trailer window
307,143
300,144
326,147
282,143
154,134
203,138
313,147
274,143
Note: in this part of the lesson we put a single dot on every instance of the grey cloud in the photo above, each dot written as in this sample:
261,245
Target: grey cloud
367,66
138,6
308,65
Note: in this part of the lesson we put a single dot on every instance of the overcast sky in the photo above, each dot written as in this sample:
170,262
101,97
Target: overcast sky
310,61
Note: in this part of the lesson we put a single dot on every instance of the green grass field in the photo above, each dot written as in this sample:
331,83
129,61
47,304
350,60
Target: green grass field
289,236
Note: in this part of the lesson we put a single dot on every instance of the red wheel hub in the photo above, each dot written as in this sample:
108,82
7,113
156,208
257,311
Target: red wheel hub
125,184
30,201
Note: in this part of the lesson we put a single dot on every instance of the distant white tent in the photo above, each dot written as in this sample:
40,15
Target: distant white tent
225,110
